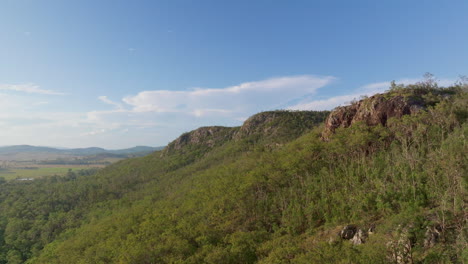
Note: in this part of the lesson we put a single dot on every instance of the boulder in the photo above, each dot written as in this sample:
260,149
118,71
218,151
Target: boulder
359,238
354,234
400,249
348,232
432,235
375,110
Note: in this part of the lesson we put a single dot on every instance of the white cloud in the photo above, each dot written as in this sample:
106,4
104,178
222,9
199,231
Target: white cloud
40,103
95,132
446,82
382,86
241,119
27,88
204,112
155,117
169,113
245,98
106,100
379,86
324,104
366,90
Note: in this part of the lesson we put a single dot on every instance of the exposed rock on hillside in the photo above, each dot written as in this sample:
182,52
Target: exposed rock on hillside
432,235
399,249
348,232
203,136
277,126
259,124
356,235
280,124
373,111
359,238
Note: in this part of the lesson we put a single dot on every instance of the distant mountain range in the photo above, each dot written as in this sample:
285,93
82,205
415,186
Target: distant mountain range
38,150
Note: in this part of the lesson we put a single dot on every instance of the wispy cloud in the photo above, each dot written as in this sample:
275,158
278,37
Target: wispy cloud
40,103
194,107
365,90
93,133
28,88
243,98
106,100
155,117
170,113
324,104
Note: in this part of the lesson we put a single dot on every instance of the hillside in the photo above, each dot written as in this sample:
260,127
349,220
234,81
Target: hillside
383,180
273,128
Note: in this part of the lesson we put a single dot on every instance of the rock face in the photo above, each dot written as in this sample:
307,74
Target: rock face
431,237
399,250
273,124
359,238
280,123
373,111
348,232
206,136
257,124
354,234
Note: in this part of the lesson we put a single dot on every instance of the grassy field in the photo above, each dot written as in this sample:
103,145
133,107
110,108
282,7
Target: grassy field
36,172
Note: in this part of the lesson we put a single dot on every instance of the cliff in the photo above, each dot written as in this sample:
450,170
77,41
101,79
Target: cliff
274,127
203,136
379,108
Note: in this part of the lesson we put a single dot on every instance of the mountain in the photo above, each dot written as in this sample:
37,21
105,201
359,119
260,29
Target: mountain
27,148
373,182
274,127
25,152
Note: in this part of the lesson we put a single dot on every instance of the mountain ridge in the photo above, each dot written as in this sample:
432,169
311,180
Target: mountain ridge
74,151
279,126
372,193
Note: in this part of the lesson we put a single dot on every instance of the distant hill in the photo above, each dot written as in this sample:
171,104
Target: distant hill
26,148
27,152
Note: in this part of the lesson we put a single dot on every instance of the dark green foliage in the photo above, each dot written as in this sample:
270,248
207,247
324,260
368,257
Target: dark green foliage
278,195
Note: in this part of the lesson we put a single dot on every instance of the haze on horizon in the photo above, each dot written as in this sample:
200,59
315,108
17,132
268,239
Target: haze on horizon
117,74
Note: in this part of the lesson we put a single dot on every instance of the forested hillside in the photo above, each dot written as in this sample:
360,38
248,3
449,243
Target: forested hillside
383,180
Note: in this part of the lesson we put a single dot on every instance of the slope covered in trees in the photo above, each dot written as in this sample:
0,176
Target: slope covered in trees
272,191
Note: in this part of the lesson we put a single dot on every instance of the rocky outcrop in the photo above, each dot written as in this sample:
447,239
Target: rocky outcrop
279,123
432,235
258,123
354,234
348,232
373,111
359,238
203,136
399,249
279,126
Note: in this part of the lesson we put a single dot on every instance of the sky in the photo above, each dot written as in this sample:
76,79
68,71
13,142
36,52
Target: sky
117,74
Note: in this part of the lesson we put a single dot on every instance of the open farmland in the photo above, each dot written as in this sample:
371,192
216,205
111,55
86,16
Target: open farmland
38,172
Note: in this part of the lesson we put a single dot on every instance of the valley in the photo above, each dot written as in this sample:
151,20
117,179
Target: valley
30,162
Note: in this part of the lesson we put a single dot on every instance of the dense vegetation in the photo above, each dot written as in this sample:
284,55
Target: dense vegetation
266,196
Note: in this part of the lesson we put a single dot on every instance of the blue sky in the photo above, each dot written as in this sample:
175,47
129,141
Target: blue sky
115,73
